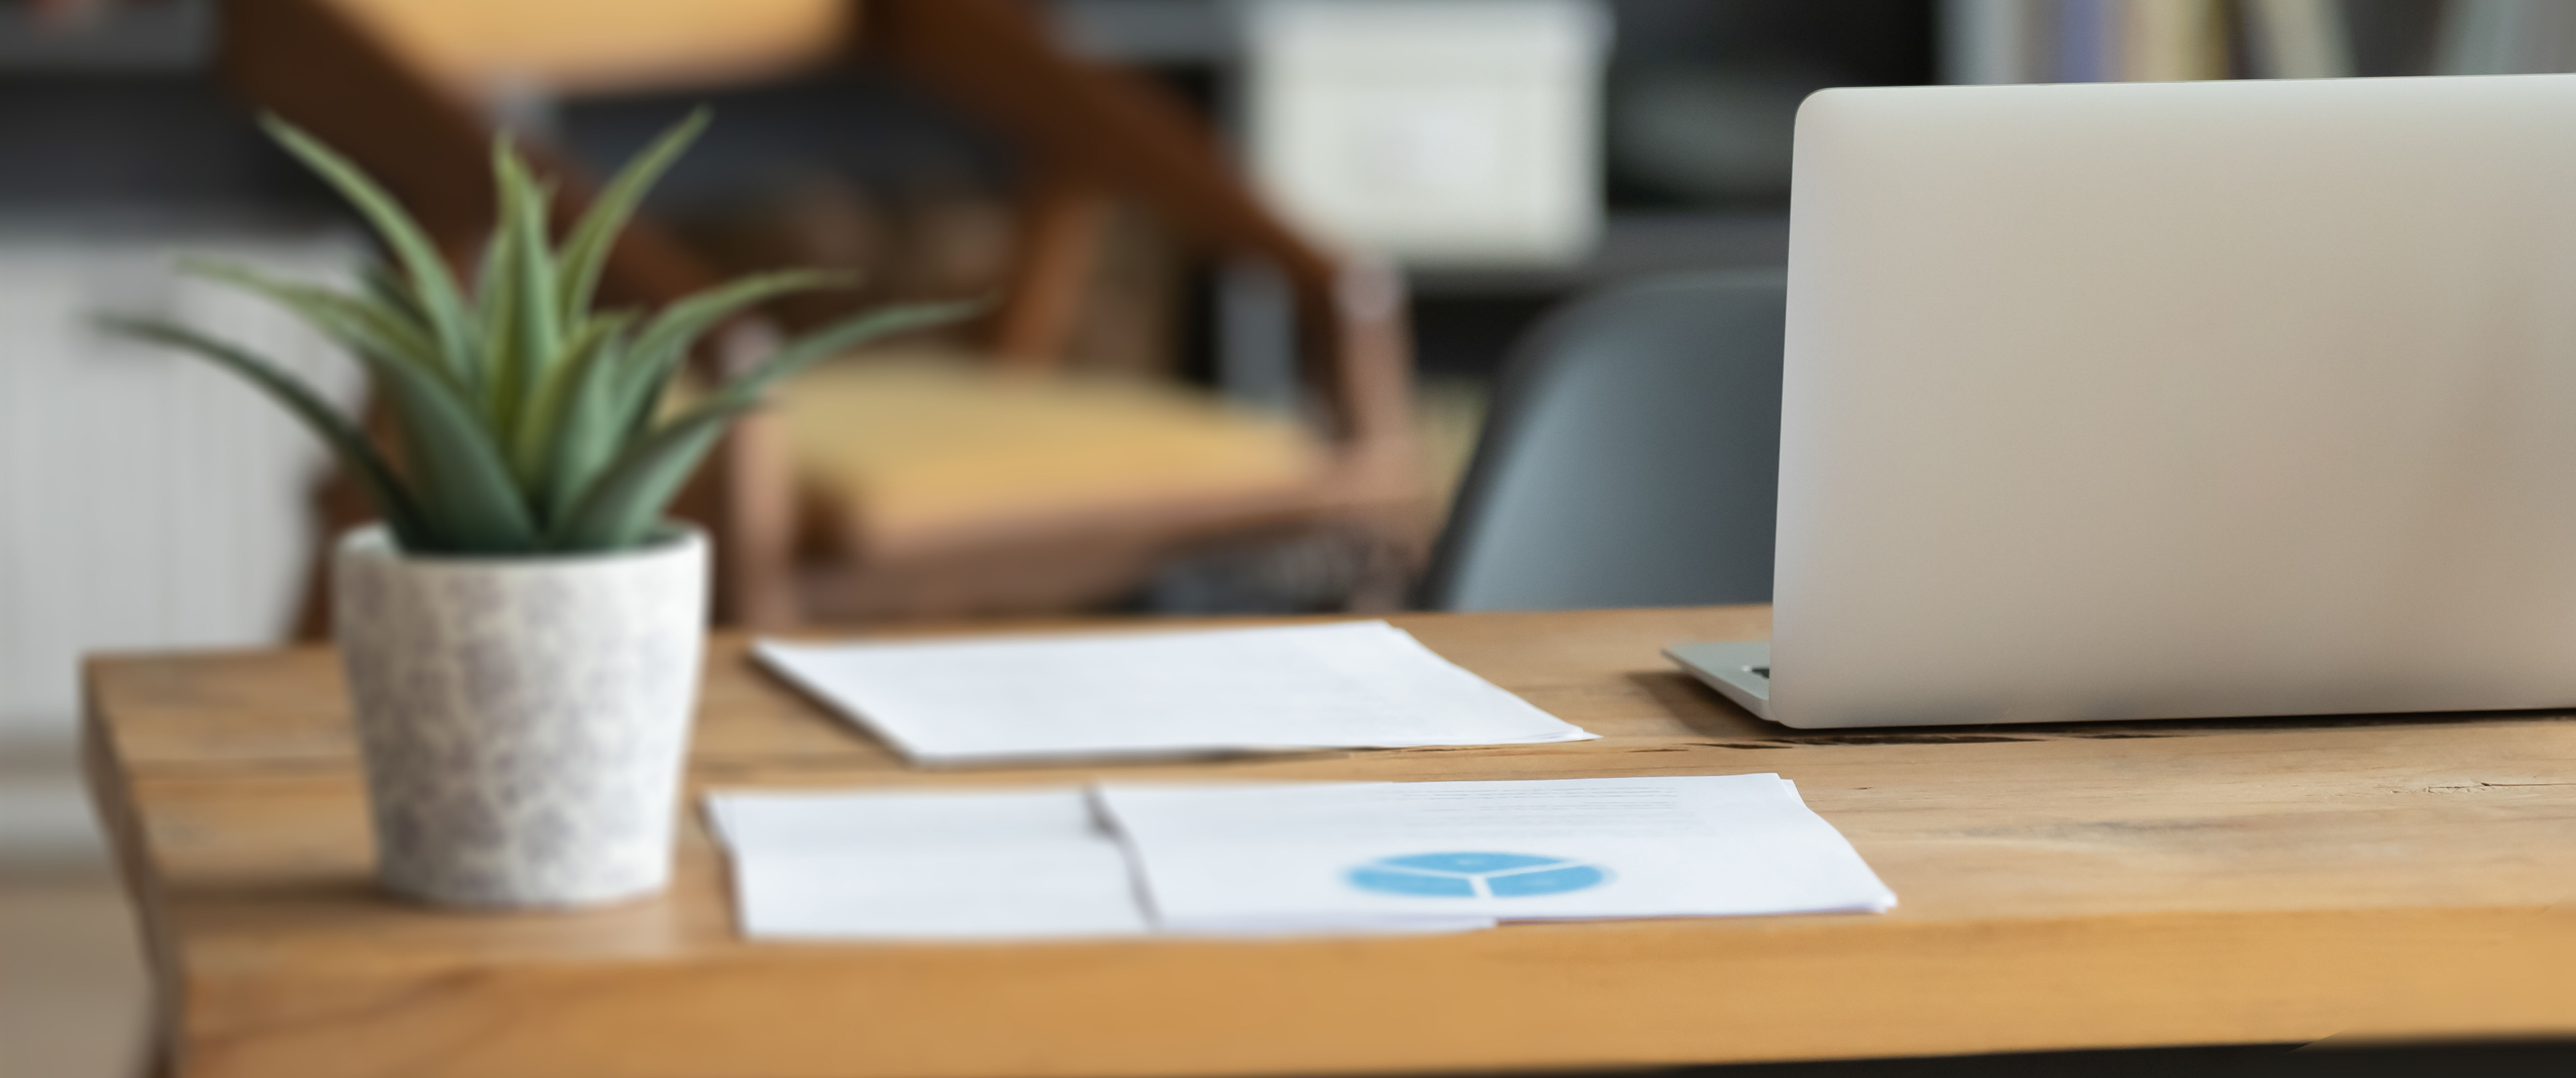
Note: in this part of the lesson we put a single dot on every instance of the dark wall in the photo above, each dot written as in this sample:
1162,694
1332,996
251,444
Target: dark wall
138,146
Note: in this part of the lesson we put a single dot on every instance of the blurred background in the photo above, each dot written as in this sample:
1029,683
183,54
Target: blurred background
1259,264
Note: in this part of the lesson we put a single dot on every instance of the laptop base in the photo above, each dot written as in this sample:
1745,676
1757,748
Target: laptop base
1738,669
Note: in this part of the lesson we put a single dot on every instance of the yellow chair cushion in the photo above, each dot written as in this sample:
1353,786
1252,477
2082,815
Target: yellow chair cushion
911,449
604,45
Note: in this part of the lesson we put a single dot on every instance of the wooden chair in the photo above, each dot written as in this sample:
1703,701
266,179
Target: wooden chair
393,84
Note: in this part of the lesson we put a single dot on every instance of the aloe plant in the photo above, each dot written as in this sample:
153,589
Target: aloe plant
526,420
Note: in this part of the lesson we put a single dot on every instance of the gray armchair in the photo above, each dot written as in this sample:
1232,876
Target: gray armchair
1631,457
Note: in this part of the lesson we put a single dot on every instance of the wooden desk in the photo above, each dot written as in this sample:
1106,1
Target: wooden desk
2079,886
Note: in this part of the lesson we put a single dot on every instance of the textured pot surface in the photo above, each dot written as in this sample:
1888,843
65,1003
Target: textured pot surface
523,720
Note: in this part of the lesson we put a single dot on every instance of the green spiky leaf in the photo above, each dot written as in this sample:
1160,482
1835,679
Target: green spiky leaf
664,342
523,416
345,440
840,337
552,451
585,253
622,508
469,502
536,328
352,321
432,286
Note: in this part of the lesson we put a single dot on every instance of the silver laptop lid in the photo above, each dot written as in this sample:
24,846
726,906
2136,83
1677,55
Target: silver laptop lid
2179,400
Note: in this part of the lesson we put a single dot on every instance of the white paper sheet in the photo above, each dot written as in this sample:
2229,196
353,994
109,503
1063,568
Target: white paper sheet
1244,858
1343,685
1018,865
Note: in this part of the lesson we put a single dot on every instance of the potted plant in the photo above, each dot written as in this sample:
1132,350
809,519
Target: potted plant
522,629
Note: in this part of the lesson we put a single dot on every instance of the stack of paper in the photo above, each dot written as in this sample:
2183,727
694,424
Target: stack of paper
1345,685
924,865
1266,859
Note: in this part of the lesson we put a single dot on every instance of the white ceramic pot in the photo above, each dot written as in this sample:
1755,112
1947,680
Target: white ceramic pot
523,720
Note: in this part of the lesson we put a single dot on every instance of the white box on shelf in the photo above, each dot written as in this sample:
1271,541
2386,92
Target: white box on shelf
1450,133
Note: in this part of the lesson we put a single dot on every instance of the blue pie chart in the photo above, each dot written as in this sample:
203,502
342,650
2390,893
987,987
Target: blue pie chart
1476,874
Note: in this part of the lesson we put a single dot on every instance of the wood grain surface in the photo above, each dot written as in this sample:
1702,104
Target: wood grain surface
2060,886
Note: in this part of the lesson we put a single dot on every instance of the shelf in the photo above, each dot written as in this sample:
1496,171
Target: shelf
1188,33
1635,244
173,37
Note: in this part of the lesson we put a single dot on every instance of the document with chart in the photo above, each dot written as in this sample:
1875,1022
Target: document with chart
1316,856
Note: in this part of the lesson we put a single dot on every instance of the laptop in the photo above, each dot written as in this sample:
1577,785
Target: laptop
2178,400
